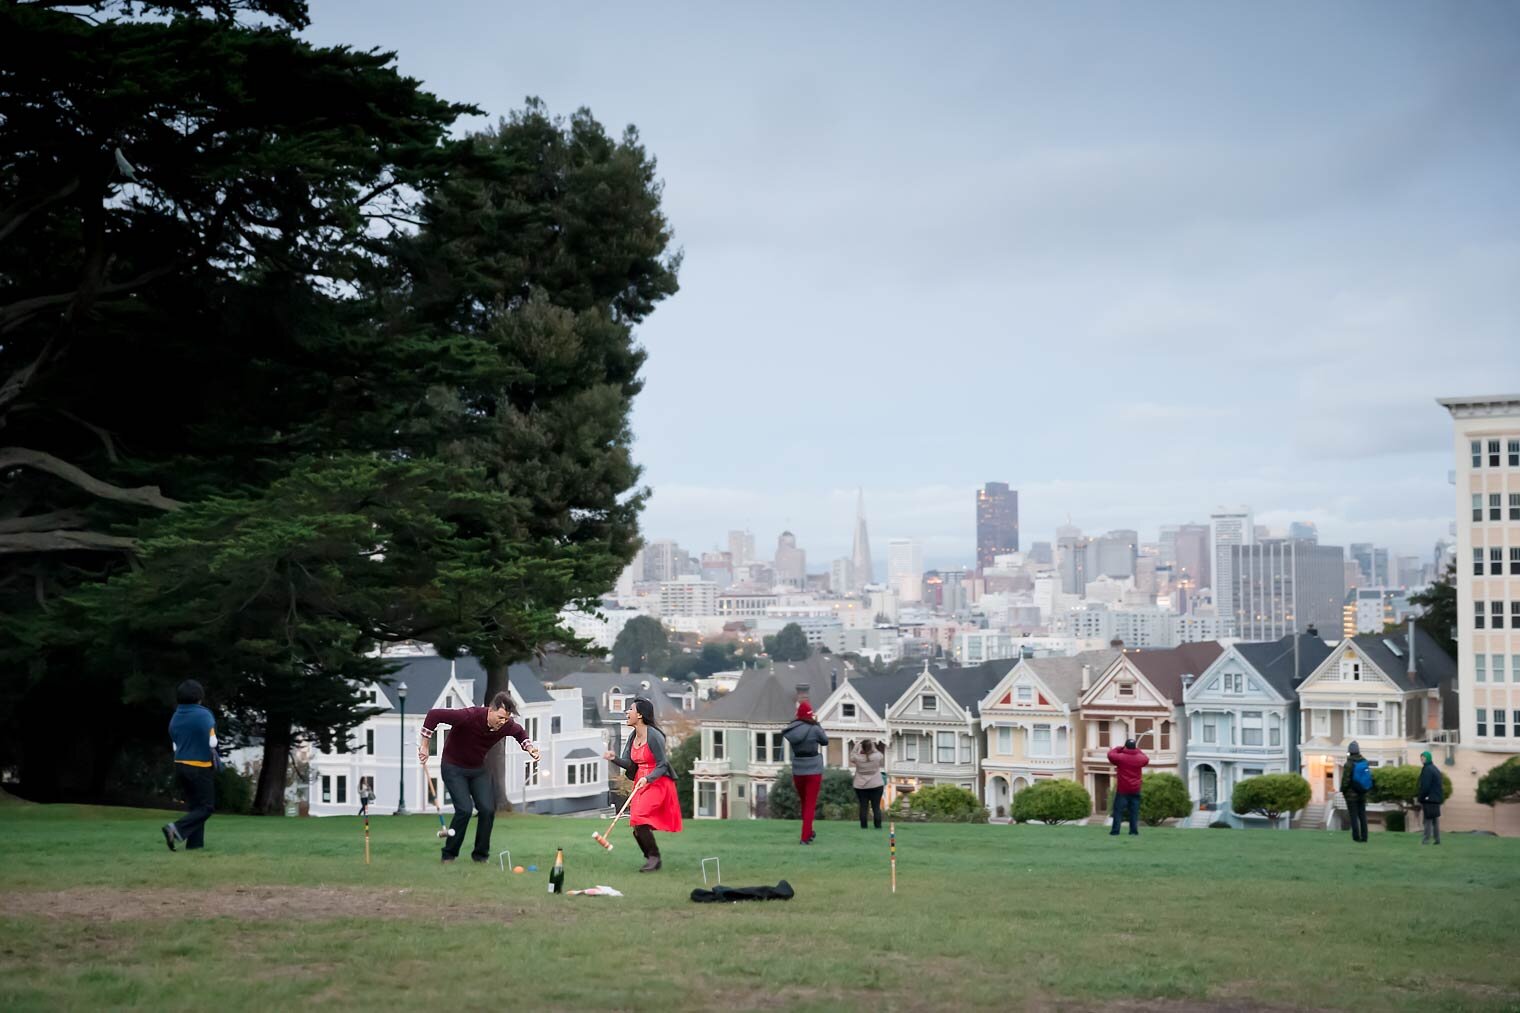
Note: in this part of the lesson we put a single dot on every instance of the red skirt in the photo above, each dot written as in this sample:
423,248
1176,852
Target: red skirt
656,806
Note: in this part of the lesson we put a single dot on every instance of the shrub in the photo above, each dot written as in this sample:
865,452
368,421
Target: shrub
234,792
836,797
1163,797
1271,795
1501,784
1394,822
1053,801
1220,825
1400,785
941,803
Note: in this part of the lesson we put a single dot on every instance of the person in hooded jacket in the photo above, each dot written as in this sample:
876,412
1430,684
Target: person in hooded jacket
1355,794
1430,795
808,739
868,758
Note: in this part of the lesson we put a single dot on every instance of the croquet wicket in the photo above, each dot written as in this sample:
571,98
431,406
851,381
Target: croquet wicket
892,844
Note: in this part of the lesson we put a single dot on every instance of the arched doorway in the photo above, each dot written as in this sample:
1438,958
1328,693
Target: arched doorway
1208,784
999,797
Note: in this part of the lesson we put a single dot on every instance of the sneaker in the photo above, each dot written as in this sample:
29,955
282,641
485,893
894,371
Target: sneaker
446,858
479,861
170,835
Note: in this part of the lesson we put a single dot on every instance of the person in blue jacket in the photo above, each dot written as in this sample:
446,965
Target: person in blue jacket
192,730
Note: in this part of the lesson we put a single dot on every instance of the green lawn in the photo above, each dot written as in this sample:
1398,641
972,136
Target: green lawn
95,912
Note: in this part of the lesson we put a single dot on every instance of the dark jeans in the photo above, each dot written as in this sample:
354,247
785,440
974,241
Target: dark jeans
465,784
869,797
1356,809
199,787
1126,804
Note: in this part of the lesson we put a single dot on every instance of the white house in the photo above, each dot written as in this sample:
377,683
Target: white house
380,755
1241,719
934,734
857,710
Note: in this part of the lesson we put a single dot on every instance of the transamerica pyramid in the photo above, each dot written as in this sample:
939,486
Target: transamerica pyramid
862,555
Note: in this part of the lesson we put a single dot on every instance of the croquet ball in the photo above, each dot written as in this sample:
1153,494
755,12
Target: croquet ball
451,831
532,868
517,868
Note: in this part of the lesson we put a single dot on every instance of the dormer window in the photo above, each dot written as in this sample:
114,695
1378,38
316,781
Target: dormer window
928,702
847,710
448,700
1351,669
1024,694
1126,689
1234,682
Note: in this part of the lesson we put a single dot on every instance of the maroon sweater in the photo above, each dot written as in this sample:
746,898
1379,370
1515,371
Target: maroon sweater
469,737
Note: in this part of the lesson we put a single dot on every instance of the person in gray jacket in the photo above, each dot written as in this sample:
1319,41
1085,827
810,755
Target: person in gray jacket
868,758
808,739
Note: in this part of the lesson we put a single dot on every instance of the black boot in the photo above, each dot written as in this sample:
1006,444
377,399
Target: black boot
651,850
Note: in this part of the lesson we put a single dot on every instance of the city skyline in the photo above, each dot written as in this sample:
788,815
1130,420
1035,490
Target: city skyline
1200,255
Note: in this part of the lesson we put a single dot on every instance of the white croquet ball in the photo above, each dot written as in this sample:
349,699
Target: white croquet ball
451,831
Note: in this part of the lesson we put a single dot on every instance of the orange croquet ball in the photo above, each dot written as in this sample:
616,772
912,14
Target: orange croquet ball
517,868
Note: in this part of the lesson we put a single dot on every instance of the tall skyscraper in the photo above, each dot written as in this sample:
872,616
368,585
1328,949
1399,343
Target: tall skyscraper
997,522
1230,527
842,576
1113,555
741,547
1281,585
905,569
791,562
1374,564
1071,559
1303,530
1192,562
861,554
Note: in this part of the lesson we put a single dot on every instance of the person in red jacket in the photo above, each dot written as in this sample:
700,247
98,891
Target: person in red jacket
1128,761
473,731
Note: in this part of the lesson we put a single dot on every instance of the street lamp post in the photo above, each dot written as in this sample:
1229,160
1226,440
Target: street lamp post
401,767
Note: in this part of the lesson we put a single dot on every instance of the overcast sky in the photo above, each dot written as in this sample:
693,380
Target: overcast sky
1137,260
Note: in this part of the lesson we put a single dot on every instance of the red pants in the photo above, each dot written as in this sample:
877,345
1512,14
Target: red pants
807,786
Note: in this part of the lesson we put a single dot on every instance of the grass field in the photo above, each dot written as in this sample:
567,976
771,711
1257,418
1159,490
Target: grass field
275,913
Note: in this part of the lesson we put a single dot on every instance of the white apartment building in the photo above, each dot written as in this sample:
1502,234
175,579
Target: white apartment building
600,627
1486,440
688,596
972,647
745,604
1228,527
905,569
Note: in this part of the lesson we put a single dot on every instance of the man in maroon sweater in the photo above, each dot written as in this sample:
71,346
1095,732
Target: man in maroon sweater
1128,761
472,733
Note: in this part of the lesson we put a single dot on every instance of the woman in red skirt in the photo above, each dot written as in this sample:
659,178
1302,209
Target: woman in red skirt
655,805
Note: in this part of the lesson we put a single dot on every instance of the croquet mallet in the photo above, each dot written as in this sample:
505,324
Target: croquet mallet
444,830
602,838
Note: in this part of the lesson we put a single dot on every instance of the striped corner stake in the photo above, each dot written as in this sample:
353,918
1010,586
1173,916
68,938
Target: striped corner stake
892,843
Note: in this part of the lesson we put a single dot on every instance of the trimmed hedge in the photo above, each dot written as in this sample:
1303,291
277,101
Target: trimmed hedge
1054,801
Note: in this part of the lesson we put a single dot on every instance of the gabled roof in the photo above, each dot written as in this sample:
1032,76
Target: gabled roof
967,686
1164,668
1063,676
767,695
1434,668
426,675
594,687
1273,661
880,692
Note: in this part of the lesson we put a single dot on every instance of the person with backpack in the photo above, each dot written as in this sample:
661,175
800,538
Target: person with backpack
1356,782
1430,795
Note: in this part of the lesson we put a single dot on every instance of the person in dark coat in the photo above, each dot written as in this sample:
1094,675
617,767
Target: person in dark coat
1129,762
1356,795
1430,796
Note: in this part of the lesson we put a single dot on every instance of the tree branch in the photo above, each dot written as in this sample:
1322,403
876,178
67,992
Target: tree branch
64,541
43,522
19,212
19,311
105,436
148,495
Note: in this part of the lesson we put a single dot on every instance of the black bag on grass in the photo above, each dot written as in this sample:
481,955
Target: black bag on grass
722,894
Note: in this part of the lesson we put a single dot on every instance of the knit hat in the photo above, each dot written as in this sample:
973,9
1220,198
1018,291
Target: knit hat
1354,748
804,711
1427,757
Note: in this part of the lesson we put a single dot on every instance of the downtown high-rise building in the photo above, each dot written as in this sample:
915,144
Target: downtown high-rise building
1113,555
791,562
860,555
997,522
905,569
1374,564
1071,559
1284,585
741,547
1191,562
1228,528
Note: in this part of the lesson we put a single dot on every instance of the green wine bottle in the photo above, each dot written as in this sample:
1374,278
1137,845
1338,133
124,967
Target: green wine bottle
557,874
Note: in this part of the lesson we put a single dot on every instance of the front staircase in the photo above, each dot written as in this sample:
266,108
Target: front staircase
1314,816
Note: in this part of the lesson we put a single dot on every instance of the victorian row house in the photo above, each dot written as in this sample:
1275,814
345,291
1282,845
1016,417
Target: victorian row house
1242,720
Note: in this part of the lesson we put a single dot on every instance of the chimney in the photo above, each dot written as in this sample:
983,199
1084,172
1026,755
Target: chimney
1187,680
1086,678
624,670
1116,644
1311,630
833,679
802,691
1410,668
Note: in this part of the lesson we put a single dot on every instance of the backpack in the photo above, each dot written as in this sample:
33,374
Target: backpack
1361,775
